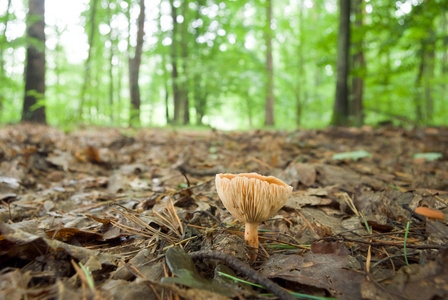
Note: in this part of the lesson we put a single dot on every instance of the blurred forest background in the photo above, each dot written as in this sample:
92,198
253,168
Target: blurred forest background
227,64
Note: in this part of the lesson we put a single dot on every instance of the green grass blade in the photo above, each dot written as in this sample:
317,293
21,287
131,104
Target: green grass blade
297,295
240,280
404,247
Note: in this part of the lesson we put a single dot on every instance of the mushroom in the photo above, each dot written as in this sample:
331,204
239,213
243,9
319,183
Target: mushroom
252,198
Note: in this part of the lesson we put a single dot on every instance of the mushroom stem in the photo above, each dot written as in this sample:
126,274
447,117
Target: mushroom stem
251,237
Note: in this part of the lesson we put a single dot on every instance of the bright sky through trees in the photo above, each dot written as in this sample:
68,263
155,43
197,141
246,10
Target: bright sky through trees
221,57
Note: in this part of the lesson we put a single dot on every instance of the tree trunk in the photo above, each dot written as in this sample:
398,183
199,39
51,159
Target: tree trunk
166,87
317,78
184,55
340,109
444,54
358,66
120,69
386,80
429,75
111,68
3,41
200,90
134,69
35,65
87,68
301,68
249,105
174,74
418,86
200,105
269,105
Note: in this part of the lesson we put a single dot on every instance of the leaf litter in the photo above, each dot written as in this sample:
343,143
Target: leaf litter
117,213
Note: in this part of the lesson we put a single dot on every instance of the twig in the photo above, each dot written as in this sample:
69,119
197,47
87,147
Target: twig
184,173
246,270
183,168
385,243
8,205
390,258
260,162
307,223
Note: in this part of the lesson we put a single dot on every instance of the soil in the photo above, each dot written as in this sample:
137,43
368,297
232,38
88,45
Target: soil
107,213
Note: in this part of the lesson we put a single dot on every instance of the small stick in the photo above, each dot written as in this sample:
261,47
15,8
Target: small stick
184,173
385,243
245,269
306,221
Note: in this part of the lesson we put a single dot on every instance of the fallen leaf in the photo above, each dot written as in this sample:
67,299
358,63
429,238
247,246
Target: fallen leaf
325,271
181,265
354,155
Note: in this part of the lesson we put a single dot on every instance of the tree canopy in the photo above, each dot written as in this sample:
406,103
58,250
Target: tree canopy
230,64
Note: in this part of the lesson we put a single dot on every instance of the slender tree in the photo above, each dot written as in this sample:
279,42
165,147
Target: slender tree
184,54
418,105
111,39
134,69
317,76
341,107
200,90
445,54
174,73
88,62
358,65
299,92
35,64
269,104
429,74
165,73
2,61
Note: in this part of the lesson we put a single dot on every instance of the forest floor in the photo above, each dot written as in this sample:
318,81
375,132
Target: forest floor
117,213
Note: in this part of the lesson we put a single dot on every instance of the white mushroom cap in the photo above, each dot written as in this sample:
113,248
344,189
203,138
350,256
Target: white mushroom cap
251,197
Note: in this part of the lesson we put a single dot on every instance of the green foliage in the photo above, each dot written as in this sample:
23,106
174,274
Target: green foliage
223,72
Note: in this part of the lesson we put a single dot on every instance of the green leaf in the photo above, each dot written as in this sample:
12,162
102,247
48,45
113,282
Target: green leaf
182,266
355,155
428,156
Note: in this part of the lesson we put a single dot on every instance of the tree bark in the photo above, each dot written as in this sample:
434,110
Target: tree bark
317,76
120,76
165,73
87,68
269,105
184,55
445,53
429,75
111,68
358,66
386,80
418,86
35,65
200,90
2,61
300,95
174,74
340,109
134,69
